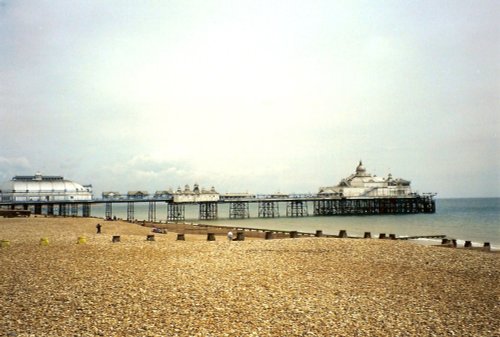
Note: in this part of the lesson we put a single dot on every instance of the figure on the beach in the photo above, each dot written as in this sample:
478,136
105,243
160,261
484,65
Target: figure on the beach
98,227
229,236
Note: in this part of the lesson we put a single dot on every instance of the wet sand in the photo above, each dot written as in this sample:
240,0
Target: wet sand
281,287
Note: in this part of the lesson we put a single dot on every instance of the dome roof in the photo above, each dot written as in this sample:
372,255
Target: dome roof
360,168
43,184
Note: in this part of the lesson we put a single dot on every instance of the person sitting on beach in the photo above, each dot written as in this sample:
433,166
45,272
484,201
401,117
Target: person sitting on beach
230,236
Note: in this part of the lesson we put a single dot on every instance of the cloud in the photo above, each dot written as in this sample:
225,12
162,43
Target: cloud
248,96
10,167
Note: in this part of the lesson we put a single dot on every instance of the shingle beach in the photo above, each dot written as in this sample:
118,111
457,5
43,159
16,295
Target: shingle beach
281,287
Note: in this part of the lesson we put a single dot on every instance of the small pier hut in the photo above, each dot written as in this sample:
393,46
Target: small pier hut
111,195
137,194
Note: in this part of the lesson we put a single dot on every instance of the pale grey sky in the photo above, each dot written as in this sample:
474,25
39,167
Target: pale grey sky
257,96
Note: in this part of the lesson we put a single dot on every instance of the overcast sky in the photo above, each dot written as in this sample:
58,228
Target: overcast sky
257,96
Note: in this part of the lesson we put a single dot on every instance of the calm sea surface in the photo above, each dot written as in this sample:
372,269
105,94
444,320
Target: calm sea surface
476,219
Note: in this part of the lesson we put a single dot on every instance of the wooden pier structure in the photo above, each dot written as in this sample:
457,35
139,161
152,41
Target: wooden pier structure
268,206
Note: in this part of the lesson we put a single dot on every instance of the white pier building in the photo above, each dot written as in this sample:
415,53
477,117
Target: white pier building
364,185
196,195
44,188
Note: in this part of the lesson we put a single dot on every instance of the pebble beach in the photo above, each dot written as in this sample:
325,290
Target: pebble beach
281,287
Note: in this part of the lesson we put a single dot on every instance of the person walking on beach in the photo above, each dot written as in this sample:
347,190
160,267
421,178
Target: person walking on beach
229,236
98,227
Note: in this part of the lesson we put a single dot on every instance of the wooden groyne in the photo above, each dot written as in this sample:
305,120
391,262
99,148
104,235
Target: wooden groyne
13,213
277,233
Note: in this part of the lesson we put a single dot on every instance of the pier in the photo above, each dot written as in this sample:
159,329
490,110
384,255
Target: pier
268,206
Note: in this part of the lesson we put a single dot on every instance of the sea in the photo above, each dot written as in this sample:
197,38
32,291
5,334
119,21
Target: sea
473,219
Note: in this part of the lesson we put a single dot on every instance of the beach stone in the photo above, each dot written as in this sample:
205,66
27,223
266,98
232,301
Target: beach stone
303,287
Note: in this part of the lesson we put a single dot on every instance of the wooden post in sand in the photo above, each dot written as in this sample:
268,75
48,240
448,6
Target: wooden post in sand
181,237
319,233
294,234
240,236
115,238
367,235
468,244
445,241
269,235
487,246
454,243
381,236
210,237
342,233
392,236
150,237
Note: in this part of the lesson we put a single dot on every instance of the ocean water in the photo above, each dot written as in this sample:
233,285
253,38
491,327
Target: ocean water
474,219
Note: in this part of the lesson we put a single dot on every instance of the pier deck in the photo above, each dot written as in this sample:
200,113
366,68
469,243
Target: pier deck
268,206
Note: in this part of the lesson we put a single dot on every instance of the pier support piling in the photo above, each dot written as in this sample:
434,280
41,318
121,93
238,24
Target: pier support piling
208,211
74,209
239,210
296,208
175,211
152,211
130,211
268,209
63,209
50,209
109,210
38,209
86,210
